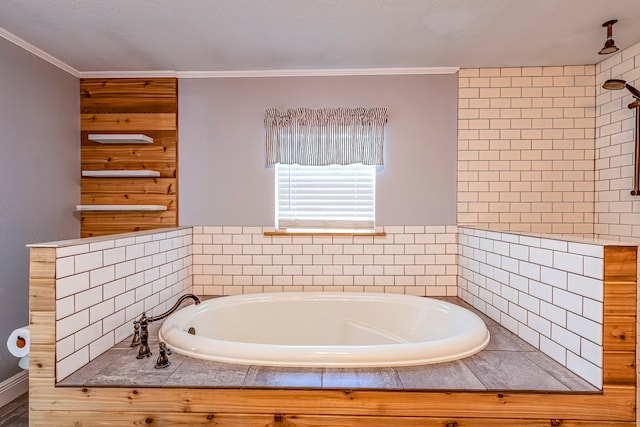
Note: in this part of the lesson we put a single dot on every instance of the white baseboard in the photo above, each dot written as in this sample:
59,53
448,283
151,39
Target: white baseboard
14,387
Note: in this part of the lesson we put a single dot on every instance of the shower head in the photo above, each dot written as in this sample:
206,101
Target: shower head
609,44
616,84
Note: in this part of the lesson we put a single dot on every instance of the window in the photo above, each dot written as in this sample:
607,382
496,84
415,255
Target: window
325,163
334,197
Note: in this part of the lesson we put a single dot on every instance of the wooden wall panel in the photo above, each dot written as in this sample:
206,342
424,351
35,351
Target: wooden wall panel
102,223
128,96
42,315
127,122
146,106
620,318
617,295
618,266
619,332
124,419
62,404
158,186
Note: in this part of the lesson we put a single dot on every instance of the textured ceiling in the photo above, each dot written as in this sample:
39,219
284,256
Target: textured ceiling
232,35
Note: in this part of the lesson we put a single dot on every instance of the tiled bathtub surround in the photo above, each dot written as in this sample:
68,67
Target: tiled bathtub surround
546,290
549,292
416,260
103,284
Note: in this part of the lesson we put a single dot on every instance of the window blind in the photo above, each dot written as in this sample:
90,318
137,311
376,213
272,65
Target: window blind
325,197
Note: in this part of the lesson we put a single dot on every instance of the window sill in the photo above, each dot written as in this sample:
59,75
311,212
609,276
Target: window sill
325,233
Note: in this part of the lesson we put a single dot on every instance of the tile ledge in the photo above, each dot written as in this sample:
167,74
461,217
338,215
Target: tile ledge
87,240
570,238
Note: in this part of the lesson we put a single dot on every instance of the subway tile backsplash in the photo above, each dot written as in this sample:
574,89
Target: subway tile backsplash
417,260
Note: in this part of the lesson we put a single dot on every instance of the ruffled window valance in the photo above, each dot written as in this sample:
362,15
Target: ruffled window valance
326,136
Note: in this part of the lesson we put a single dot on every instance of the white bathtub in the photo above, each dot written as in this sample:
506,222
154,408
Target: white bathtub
319,329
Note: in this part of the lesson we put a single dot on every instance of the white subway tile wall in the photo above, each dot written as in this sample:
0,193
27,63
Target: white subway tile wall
616,210
416,260
103,286
544,290
526,148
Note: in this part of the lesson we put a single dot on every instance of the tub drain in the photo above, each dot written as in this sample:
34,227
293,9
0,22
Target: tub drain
192,330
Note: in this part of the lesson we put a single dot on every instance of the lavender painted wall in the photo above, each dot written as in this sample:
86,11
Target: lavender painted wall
39,175
223,180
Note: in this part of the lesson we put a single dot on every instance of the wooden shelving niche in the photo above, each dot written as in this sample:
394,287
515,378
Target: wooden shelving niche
129,143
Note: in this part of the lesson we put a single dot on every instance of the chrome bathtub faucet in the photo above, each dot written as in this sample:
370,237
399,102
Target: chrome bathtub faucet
141,327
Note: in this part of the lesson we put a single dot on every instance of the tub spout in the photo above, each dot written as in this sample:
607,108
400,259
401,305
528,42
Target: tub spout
143,325
174,308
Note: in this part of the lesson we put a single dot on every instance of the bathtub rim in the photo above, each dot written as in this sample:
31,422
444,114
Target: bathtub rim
324,356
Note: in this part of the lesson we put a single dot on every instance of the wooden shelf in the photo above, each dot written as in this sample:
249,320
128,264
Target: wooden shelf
120,138
121,173
121,208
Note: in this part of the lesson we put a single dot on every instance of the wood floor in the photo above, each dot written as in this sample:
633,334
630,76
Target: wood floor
15,413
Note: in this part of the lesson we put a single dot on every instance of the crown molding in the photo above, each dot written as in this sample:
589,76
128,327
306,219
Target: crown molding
318,72
38,52
127,74
271,73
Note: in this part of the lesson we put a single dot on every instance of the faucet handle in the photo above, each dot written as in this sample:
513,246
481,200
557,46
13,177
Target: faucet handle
163,360
135,341
167,349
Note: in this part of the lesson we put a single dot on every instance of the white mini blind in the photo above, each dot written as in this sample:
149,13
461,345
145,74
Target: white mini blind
325,197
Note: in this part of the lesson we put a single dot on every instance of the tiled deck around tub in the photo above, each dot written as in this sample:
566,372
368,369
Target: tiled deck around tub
507,364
